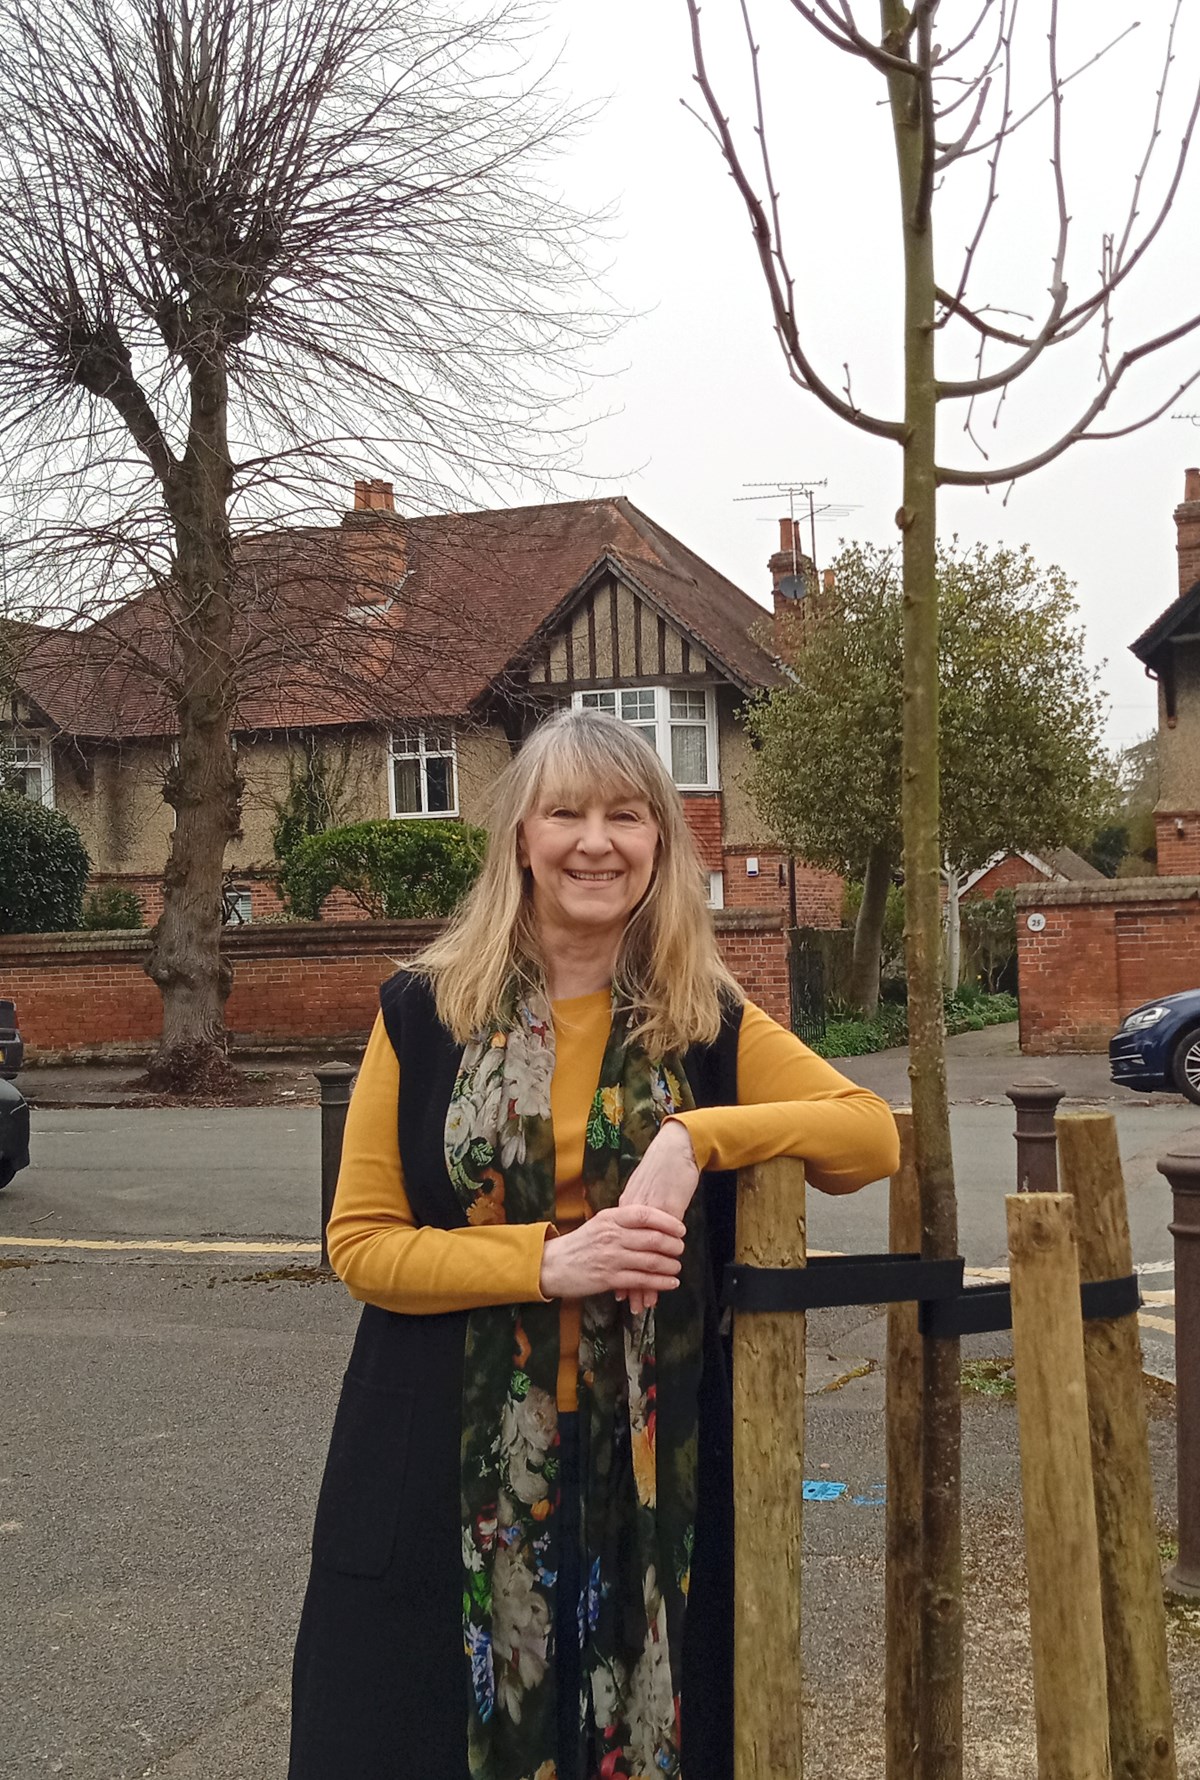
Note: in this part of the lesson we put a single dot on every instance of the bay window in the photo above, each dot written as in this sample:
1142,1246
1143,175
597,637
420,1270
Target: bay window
680,723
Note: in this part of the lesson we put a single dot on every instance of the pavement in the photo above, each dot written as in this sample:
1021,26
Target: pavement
171,1362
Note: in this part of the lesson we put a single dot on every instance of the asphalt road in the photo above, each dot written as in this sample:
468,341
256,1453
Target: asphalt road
167,1411
153,1175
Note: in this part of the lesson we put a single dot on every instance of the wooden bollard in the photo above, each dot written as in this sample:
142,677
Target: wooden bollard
768,1481
902,1596
1066,1620
1141,1722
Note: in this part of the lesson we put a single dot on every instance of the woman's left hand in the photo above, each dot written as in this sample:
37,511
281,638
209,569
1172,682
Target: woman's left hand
666,1177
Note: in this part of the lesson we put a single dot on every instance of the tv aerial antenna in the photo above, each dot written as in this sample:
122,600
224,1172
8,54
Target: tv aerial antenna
802,493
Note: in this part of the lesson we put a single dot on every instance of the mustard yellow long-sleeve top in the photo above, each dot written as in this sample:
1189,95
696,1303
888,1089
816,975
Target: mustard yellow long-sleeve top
790,1103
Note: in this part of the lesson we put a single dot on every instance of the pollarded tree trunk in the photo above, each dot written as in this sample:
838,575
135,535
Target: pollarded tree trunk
941,1628
185,958
868,932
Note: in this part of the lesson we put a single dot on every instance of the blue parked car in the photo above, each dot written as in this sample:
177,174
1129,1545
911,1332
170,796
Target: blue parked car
1157,1047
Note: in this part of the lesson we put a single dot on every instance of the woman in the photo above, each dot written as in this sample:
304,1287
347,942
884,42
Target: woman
522,1560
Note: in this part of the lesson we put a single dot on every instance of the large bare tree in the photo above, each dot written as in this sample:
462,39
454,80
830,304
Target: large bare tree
956,106
252,248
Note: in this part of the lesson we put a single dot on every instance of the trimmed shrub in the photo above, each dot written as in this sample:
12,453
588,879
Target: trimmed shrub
43,868
111,910
397,870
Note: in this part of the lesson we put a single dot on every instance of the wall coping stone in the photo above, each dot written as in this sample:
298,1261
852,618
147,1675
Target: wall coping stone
258,939
305,939
1114,891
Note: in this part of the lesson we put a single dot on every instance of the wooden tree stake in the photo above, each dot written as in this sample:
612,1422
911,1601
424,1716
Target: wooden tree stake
768,1478
1066,1621
1141,1726
902,1605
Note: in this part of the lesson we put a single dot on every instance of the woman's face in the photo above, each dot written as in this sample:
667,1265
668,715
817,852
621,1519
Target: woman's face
592,859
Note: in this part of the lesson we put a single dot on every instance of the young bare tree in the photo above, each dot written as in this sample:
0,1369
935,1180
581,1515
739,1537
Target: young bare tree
953,107
250,249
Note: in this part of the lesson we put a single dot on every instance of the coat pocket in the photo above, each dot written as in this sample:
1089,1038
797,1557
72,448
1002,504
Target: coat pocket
358,1510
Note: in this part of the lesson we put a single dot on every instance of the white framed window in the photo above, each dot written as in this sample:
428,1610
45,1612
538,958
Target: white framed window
423,772
716,889
680,723
26,765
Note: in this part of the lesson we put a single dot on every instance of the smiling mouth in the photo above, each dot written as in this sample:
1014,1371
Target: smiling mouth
594,877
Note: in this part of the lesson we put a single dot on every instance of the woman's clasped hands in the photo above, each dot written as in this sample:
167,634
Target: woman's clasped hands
633,1249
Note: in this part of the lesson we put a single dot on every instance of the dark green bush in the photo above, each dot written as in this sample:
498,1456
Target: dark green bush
848,1036
111,909
401,870
43,868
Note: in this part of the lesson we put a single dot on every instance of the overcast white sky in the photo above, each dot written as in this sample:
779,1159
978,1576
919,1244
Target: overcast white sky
699,395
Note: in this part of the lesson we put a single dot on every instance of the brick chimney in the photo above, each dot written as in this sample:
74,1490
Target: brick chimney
374,496
1187,526
792,573
376,549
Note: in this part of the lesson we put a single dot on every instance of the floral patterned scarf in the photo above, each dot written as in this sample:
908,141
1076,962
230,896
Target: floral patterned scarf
638,1391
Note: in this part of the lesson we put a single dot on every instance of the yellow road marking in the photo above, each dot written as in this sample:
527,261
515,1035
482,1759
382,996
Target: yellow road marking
157,1246
1156,1322
1158,1297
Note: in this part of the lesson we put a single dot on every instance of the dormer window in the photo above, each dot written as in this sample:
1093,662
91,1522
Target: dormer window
26,765
680,723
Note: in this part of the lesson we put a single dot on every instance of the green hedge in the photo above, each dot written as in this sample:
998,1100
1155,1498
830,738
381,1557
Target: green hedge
968,1011
111,910
45,867
397,870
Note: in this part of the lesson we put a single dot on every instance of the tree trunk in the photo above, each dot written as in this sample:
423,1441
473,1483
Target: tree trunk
868,932
953,932
185,956
941,1631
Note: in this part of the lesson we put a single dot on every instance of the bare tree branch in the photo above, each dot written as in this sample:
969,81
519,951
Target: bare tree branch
955,478
779,282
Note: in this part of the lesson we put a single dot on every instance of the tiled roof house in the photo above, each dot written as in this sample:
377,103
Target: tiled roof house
416,652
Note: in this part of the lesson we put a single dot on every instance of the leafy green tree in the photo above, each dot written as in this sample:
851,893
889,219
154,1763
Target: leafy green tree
990,930
1022,764
45,868
400,870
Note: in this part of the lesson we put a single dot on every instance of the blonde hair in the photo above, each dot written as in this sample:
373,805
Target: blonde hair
668,968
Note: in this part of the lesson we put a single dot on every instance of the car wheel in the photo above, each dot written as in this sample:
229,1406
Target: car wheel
1185,1065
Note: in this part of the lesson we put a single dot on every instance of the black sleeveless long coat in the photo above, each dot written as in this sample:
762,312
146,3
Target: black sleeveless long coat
380,1681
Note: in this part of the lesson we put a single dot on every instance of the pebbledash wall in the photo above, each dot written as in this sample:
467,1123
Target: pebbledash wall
314,984
1095,951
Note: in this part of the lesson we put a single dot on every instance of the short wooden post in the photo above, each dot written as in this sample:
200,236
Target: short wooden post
1140,1719
902,1584
768,1476
1066,1620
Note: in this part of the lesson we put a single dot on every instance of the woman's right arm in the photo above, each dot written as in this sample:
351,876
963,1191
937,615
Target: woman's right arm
376,1246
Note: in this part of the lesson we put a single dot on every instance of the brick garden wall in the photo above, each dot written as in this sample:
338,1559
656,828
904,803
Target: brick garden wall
308,983
1104,949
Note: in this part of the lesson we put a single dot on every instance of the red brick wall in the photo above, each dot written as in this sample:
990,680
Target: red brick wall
1178,854
818,893
703,812
300,982
1006,874
1104,949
